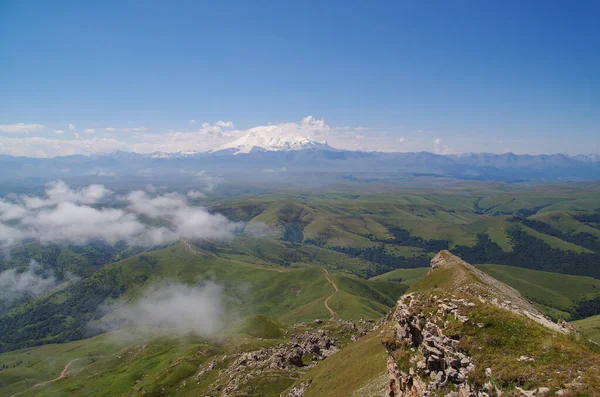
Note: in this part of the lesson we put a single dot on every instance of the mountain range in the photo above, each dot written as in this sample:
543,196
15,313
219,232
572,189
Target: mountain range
260,154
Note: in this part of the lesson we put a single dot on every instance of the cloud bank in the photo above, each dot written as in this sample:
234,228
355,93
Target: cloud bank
66,215
15,285
19,128
173,307
193,137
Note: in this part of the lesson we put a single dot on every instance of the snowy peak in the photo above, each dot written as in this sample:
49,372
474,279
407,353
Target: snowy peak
283,137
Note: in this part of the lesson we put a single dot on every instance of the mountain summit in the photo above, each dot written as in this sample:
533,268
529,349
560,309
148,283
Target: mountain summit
282,137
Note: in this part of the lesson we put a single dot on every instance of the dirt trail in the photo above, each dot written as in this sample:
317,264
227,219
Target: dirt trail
191,249
62,375
331,311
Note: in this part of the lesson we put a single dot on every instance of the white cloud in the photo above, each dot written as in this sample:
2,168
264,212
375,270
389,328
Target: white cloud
46,147
224,124
32,282
69,222
210,136
166,205
207,137
103,173
58,191
195,194
71,127
194,223
438,148
187,222
68,215
173,307
19,128
11,211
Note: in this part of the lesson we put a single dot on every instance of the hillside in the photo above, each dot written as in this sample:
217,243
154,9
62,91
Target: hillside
456,330
292,294
558,295
550,230
590,327
459,332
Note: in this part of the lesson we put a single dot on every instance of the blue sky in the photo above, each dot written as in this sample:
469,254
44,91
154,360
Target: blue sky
470,75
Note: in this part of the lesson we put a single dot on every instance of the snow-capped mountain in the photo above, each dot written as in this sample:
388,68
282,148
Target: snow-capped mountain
272,138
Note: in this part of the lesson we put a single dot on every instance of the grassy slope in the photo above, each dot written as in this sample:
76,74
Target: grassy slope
358,365
499,339
555,242
346,219
123,364
590,327
42,363
564,221
109,366
291,294
550,289
407,276
503,336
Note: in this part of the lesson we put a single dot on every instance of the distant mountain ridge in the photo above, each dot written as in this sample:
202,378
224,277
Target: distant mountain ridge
244,157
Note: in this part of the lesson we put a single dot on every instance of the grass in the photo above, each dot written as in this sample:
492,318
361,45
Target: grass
356,366
555,242
271,284
262,327
557,291
404,276
590,327
553,293
564,221
505,336
346,219
494,338
251,286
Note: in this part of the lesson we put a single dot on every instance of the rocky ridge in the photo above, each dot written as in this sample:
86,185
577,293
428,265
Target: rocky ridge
436,339
489,290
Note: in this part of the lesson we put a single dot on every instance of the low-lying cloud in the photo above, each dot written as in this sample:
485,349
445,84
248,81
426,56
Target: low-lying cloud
173,307
71,215
15,285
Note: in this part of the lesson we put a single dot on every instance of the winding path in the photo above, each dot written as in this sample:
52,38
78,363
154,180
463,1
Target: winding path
62,375
331,311
211,255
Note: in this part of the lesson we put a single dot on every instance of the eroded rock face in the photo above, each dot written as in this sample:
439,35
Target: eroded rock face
434,359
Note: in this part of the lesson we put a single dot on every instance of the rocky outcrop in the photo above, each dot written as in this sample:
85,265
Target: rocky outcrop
434,360
298,390
303,351
422,359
